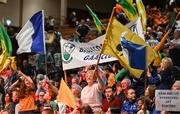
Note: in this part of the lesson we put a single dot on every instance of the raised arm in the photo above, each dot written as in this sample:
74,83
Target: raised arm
101,84
13,85
25,77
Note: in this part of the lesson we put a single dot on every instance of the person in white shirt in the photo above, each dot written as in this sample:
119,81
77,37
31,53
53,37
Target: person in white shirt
91,94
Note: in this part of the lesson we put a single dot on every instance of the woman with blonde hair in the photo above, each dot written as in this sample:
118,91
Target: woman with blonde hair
165,74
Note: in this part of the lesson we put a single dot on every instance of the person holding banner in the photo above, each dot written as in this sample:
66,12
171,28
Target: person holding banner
175,87
91,94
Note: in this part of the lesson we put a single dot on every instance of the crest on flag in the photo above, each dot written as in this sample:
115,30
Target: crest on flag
68,48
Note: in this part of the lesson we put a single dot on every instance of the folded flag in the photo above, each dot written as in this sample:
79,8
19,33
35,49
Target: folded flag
31,37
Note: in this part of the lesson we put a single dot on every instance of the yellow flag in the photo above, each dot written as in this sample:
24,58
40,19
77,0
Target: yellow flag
142,13
10,61
65,95
3,55
13,64
6,64
112,45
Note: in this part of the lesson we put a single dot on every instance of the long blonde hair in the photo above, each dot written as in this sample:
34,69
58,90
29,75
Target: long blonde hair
167,62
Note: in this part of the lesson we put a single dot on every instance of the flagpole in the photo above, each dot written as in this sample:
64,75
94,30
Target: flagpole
65,73
46,68
105,35
146,69
175,21
163,39
65,76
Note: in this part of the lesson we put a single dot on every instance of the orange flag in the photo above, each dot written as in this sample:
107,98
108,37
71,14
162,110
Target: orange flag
158,47
65,95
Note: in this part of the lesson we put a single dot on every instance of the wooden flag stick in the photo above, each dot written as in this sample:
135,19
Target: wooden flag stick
65,76
112,14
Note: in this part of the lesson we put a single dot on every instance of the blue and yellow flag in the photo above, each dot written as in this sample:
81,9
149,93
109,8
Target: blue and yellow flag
136,54
113,46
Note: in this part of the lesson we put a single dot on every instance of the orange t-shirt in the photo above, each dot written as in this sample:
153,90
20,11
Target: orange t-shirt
27,103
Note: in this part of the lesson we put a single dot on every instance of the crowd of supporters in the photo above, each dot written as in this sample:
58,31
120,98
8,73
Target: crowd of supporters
104,89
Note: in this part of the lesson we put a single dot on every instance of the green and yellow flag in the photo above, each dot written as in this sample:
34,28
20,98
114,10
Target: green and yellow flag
6,46
129,9
97,22
6,39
